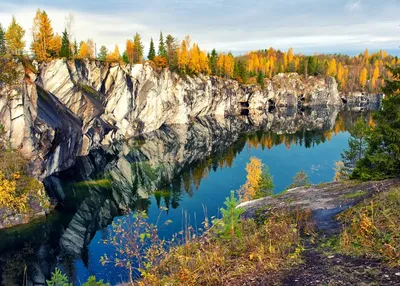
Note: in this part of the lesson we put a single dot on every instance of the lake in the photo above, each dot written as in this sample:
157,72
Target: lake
185,168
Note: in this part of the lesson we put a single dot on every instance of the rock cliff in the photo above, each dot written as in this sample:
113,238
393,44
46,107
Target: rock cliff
64,108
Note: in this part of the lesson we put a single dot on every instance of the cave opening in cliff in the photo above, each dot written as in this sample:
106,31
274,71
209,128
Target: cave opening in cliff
271,105
244,112
244,104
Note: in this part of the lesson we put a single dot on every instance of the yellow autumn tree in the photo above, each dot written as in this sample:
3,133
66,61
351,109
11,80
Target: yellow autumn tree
285,61
204,66
83,50
254,171
86,50
363,77
332,69
229,65
220,64
183,56
56,44
375,76
45,45
9,197
194,59
115,56
290,55
340,75
14,37
130,50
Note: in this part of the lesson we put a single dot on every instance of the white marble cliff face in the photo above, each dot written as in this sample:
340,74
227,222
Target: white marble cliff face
70,107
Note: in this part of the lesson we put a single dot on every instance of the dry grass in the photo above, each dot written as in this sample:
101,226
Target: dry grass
214,260
372,228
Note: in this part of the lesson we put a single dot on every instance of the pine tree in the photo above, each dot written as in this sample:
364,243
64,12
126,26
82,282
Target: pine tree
260,79
152,51
213,62
231,218
172,54
161,47
65,46
125,58
13,36
2,41
75,48
137,49
382,156
102,55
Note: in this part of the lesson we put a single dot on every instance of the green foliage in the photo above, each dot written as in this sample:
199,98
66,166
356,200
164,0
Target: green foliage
260,79
92,282
382,155
2,40
137,49
357,144
152,51
102,55
9,72
299,180
58,279
213,58
266,184
229,227
65,46
161,46
172,55
75,48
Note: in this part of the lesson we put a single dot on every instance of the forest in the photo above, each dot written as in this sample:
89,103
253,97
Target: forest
363,72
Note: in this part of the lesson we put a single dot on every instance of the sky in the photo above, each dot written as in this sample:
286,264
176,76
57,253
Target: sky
323,26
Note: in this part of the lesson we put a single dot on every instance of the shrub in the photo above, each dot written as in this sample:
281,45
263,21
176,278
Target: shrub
372,227
299,180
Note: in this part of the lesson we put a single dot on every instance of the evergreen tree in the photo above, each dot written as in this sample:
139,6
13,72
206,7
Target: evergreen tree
312,66
172,54
2,40
75,48
260,79
152,51
125,57
213,62
102,55
242,72
161,47
357,144
65,46
137,49
382,156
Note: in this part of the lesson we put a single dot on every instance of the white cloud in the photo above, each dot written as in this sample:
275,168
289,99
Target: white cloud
353,6
306,25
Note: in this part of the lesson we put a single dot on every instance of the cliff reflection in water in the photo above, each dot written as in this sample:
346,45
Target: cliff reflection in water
166,164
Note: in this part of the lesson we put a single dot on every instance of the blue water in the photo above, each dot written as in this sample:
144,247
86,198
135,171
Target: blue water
194,173
283,163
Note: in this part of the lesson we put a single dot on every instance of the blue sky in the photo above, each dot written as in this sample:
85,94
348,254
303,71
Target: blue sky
309,26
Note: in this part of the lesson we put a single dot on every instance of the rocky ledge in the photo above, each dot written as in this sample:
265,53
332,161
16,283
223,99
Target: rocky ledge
61,109
325,200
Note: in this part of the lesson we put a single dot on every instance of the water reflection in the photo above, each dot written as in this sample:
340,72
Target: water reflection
167,164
